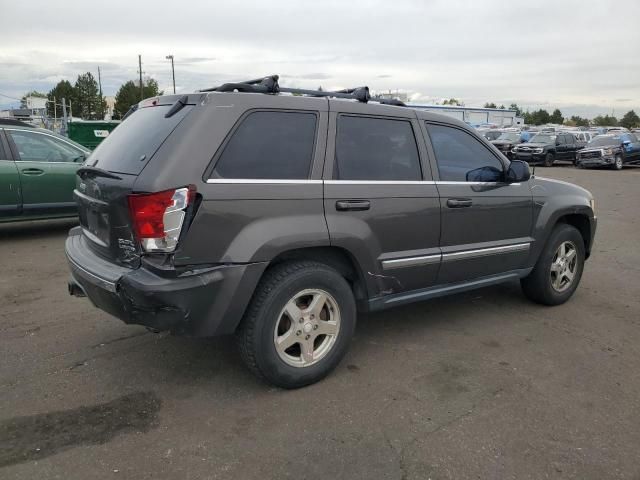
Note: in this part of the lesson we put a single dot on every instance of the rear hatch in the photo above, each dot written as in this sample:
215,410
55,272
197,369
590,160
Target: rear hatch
108,177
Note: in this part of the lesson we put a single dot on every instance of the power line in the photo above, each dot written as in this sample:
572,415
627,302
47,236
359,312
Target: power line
12,98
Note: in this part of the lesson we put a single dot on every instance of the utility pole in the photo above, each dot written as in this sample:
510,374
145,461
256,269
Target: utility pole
140,71
64,116
100,87
173,72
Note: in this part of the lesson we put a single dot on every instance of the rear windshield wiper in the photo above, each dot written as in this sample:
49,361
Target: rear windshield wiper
176,107
97,172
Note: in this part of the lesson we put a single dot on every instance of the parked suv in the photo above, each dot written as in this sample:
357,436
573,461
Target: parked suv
610,151
546,148
506,142
278,217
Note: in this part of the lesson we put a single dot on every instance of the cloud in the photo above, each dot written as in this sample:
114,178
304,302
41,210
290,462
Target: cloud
476,51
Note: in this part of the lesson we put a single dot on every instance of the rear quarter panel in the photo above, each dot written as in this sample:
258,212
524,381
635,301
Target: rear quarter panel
239,221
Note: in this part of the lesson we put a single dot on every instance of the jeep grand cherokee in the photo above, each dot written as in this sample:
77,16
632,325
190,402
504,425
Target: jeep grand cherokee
246,210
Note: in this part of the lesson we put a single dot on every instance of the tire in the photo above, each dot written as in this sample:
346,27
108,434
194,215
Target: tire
542,285
618,163
285,288
549,158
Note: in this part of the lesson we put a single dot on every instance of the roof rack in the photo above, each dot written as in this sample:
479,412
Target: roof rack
270,85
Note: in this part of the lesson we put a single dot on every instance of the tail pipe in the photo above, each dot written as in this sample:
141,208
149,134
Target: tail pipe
75,289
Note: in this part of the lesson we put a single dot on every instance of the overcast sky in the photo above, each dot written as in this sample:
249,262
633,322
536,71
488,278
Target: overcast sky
581,56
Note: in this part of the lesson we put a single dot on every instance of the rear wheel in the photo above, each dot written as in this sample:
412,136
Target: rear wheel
559,268
617,164
298,325
549,158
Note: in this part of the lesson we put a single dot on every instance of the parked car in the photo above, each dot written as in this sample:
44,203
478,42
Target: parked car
491,134
611,150
506,141
37,172
582,137
546,148
279,217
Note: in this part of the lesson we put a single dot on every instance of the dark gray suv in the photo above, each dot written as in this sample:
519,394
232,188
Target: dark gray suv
246,210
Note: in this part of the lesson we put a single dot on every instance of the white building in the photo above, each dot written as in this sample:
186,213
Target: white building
475,116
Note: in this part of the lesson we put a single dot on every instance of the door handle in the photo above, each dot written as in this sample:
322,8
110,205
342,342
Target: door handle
353,205
459,202
32,171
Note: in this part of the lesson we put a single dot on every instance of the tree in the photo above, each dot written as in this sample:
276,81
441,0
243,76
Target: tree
88,103
452,101
490,105
129,94
32,93
515,107
556,117
630,120
502,107
606,121
577,121
537,117
63,89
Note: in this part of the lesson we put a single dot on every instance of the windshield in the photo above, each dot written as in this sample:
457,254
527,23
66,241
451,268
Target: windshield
543,138
491,135
604,141
509,136
131,144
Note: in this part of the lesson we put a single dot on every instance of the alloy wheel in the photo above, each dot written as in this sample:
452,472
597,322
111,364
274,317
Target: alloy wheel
307,328
564,266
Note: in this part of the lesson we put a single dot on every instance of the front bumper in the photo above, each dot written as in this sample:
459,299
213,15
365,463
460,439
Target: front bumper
201,302
529,157
603,161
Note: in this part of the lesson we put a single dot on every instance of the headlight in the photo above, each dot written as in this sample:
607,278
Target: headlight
592,202
538,150
608,151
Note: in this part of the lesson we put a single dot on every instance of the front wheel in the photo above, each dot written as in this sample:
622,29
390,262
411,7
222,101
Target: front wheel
549,159
298,325
617,164
559,268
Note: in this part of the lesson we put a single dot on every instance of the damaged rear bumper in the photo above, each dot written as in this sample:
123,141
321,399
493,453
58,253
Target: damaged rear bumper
201,302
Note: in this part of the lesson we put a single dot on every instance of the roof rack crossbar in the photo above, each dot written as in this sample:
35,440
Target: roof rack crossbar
270,85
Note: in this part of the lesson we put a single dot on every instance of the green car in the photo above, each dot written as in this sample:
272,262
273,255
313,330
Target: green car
37,172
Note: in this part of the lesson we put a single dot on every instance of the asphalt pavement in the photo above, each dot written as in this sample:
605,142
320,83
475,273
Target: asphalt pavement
480,385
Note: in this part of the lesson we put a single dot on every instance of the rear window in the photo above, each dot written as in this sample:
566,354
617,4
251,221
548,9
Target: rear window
369,148
270,145
129,147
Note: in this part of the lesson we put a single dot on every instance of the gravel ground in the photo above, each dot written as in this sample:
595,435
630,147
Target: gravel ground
478,385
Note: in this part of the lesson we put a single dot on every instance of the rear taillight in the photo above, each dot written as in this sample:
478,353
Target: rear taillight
158,217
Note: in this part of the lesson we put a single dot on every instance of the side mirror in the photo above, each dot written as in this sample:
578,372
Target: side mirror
485,174
518,172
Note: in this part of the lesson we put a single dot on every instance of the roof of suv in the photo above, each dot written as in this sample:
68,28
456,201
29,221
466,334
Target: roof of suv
14,123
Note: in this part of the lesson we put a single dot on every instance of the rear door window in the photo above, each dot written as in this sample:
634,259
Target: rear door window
270,145
370,148
131,144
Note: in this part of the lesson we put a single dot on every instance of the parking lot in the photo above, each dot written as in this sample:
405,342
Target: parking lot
478,385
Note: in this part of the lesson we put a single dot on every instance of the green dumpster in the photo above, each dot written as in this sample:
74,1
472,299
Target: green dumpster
91,132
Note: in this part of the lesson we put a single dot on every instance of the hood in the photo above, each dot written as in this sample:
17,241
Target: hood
535,145
502,142
600,147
